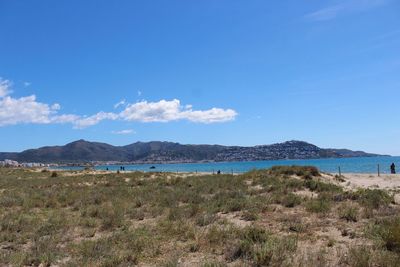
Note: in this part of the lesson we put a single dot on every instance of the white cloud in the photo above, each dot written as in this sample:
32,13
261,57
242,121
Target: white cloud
23,110
26,84
144,111
210,116
345,7
28,110
165,111
94,119
56,106
120,103
65,118
4,87
122,132
139,93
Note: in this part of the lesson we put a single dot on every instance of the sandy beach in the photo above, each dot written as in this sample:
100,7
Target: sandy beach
351,180
384,181
354,181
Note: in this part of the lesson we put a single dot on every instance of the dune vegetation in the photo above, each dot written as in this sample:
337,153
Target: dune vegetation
284,216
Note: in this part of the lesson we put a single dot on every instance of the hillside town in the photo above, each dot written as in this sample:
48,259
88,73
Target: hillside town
287,150
13,163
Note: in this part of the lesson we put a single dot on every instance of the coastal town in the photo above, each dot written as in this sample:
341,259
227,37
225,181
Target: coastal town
13,163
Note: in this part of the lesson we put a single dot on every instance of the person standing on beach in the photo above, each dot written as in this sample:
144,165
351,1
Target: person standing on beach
393,168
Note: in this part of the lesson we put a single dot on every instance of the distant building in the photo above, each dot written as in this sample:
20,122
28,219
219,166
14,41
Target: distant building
13,163
9,163
33,164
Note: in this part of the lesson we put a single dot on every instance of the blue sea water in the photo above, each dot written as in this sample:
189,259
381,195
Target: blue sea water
331,165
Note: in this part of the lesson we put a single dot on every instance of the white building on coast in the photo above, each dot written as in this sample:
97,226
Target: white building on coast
9,163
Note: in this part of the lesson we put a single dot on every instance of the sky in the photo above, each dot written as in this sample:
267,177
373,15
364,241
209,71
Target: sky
230,72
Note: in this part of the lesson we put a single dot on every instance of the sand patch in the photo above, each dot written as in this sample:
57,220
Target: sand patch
306,194
235,218
384,181
397,198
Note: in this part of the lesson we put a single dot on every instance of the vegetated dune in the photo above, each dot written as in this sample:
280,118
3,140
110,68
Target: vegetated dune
284,216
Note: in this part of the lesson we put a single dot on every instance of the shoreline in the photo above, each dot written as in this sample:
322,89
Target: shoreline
97,171
365,174
352,175
95,164
367,165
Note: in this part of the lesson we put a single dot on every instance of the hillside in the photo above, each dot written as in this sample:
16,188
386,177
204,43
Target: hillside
152,152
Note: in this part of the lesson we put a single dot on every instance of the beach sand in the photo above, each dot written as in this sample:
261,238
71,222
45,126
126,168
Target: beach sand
384,181
354,181
351,180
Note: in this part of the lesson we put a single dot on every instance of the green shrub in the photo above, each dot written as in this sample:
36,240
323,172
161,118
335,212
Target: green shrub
373,198
175,214
230,201
319,205
348,212
293,183
274,252
213,264
254,234
249,216
388,231
291,200
220,235
319,186
303,171
205,219
235,205
297,226
360,256
392,237
93,250
261,248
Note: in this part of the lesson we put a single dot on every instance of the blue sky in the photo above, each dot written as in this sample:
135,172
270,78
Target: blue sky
225,72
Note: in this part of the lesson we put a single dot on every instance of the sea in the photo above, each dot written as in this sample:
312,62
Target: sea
331,165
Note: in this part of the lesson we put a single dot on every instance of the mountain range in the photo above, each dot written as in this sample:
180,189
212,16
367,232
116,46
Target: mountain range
82,151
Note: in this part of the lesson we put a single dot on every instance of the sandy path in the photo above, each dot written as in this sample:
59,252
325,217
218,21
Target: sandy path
384,181
390,182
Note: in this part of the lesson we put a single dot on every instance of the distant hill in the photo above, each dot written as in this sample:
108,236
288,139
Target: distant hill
82,151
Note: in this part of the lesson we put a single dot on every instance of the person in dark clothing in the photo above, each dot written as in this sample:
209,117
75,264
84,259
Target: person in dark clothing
218,172
393,168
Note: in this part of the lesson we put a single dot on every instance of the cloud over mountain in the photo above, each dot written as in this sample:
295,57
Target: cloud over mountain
165,111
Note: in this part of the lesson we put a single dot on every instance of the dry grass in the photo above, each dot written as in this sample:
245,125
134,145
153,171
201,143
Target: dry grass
254,219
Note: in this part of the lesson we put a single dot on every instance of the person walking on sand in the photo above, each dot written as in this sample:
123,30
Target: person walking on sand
393,168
